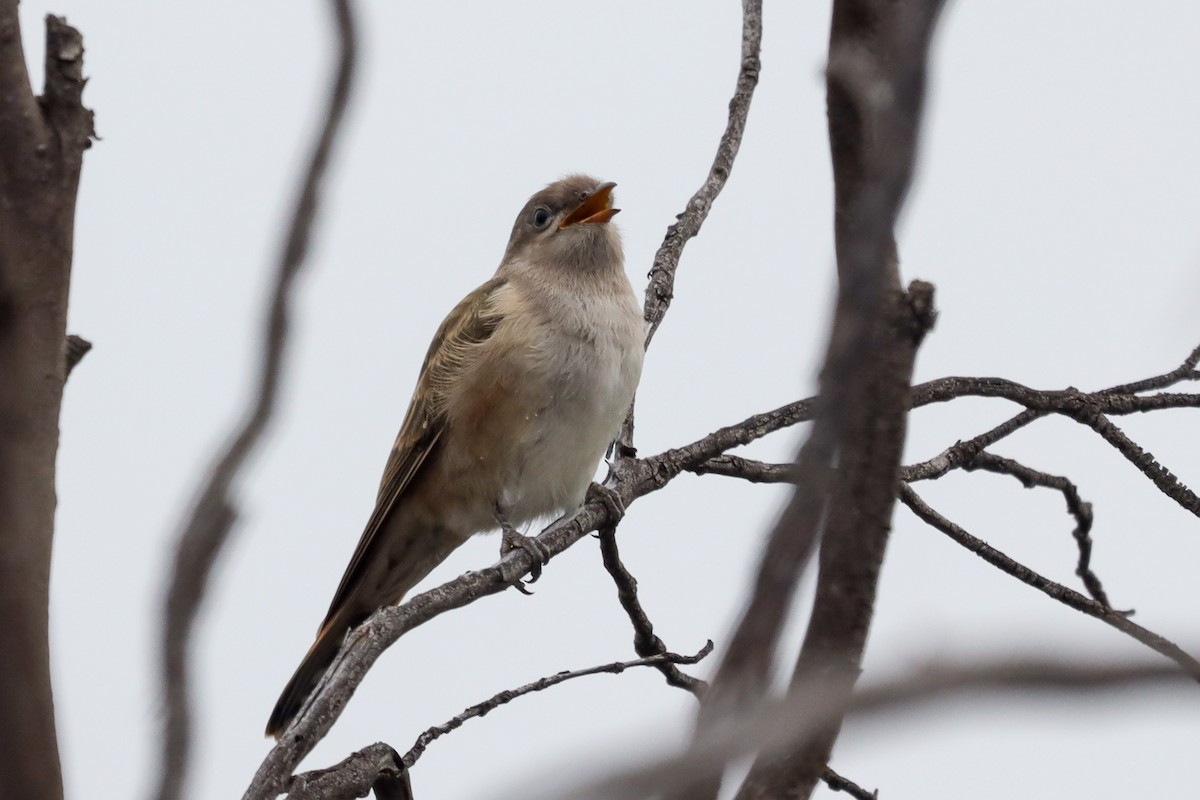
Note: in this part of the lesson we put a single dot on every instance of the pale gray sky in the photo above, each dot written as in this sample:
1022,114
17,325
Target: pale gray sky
1056,211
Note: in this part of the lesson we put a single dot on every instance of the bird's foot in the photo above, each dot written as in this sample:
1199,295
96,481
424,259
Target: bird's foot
610,498
511,540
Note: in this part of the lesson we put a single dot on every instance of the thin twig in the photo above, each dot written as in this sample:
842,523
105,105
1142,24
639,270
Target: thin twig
954,457
508,695
661,288
206,528
1144,460
646,643
1057,591
1185,371
1080,510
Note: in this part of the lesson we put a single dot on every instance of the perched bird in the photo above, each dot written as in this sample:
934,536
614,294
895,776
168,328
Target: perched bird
523,389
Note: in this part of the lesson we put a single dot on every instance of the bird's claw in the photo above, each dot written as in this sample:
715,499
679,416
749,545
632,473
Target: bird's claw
511,540
611,500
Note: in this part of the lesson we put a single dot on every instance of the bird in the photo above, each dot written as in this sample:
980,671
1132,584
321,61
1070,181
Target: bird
521,393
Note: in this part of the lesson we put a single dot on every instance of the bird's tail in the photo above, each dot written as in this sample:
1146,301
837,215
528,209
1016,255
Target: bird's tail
310,671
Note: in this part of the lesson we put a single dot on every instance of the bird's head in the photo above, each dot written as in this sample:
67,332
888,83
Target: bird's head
566,225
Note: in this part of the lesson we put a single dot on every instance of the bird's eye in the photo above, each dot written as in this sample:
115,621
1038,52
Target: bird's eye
541,216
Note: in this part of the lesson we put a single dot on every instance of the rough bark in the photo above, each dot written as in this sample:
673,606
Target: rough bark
42,140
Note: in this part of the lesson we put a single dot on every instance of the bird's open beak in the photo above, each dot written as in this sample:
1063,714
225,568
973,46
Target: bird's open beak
596,208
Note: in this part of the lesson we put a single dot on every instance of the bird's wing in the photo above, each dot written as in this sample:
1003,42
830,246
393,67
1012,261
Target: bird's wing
454,348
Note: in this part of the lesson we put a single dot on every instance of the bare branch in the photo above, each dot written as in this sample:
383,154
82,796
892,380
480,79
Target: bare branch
1057,591
1065,401
1186,371
747,469
1076,507
645,642
956,456
207,526
1088,409
376,768
800,716
661,288
935,391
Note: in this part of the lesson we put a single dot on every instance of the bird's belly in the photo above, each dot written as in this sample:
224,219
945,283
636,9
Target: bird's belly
556,460
585,388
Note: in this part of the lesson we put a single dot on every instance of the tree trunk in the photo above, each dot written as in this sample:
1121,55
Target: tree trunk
42,140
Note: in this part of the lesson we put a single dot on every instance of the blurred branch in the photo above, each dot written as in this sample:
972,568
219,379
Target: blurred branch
875,92
1081,511
799,717
838,783
207,526
645,642
1062,594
